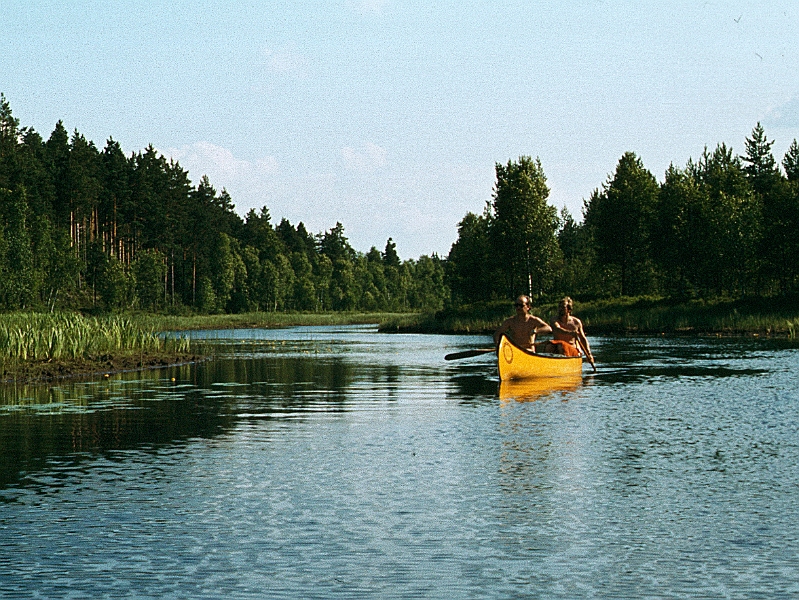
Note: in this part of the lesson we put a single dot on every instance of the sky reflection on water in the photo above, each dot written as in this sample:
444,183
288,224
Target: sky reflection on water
338,462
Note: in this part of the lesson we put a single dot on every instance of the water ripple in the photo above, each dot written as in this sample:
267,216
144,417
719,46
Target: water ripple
352,473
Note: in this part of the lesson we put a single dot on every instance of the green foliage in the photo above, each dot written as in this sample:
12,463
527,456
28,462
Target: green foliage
761,168
469,270
41,337
428,290
580,270
304,292
116,285
206,298
19,281
335,245
523,228
731,223
149,270
87,228
791,162
723,226
390,256
620,218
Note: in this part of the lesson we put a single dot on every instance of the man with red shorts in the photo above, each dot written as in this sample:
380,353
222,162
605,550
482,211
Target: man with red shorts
567,334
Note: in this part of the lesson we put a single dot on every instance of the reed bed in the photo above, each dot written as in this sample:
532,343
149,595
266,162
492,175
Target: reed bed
259,319
70,336
641,315
474,318
748,316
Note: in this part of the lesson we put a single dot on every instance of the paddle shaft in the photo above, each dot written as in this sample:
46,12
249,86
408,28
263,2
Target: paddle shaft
468,353
582,347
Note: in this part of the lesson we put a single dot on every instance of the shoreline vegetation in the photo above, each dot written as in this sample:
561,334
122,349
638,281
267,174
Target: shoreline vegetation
40,347
44,347
114,250
757,316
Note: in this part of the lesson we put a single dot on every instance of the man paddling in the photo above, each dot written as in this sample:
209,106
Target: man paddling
522,327
567,334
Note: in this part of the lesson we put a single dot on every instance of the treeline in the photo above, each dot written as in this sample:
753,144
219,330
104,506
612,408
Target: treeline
83,227
722,226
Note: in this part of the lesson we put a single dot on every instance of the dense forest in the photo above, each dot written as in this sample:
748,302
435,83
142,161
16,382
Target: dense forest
97,229
84,228
725,226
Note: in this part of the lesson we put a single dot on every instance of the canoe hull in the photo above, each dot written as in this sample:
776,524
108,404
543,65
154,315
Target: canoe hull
517,363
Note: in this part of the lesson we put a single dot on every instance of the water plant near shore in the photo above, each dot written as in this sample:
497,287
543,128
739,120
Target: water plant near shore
67,336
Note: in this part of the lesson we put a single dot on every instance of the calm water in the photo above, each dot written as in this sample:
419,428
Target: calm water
339,462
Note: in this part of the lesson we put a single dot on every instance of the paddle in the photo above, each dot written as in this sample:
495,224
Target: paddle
582,347
468,353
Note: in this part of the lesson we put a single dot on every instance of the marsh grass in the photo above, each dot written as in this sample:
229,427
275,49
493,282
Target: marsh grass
761,316
37,346
70,336
471,318
259,319
642,315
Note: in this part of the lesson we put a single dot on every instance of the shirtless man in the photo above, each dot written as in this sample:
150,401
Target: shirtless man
522,327
568,336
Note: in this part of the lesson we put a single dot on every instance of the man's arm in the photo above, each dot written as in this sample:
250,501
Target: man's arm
541,326
500,330
562,330
583,341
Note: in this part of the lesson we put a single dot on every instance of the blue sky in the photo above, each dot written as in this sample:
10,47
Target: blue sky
389,116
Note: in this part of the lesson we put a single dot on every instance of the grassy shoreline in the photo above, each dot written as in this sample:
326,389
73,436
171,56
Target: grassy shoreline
261,319
41,347
629,316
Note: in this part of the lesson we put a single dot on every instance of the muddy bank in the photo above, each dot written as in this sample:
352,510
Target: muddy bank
85,368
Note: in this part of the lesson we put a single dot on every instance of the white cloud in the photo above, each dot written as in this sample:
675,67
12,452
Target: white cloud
286,61
205,158
251,184
366,159
786,115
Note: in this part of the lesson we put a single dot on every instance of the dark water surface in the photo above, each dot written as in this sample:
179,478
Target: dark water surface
339,462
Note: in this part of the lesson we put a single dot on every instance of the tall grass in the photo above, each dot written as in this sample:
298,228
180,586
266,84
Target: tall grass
258,319
642,315
647,315
472,318
42,337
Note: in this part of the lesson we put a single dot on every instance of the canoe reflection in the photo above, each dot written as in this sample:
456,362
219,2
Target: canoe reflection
526,390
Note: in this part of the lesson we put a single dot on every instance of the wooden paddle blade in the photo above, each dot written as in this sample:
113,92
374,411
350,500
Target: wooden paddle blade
468,353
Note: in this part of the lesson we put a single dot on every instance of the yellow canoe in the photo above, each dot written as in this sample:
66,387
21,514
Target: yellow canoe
517,363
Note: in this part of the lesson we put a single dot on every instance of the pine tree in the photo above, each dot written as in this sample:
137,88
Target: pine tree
791,162
620,218
760,168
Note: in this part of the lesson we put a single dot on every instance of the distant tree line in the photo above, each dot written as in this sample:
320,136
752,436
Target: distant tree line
722,226
83,227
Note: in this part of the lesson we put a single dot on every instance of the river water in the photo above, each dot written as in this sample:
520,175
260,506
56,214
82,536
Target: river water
329,462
